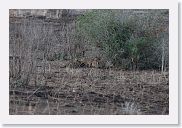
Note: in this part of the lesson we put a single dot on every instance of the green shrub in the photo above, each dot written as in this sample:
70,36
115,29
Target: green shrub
132,38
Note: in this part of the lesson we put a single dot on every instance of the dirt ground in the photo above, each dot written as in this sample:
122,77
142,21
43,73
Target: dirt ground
91,91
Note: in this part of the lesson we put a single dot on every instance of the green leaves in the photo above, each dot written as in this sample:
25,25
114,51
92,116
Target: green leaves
120,36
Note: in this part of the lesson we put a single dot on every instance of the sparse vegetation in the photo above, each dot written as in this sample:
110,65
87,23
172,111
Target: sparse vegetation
89,62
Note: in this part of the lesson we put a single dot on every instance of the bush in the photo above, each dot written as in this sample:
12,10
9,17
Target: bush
134,38
102,30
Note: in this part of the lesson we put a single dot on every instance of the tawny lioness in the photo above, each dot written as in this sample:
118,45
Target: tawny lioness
91,63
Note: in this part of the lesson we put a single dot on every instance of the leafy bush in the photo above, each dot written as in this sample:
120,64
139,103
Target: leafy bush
119,38
101,29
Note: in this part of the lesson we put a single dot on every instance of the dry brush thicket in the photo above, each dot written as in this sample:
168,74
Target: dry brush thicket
50,73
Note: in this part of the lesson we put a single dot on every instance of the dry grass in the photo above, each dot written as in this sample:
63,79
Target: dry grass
43,85
91,91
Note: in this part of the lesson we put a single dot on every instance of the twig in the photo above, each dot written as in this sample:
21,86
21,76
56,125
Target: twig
33,92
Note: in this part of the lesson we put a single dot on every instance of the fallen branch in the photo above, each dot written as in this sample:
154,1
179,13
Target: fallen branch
33,93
